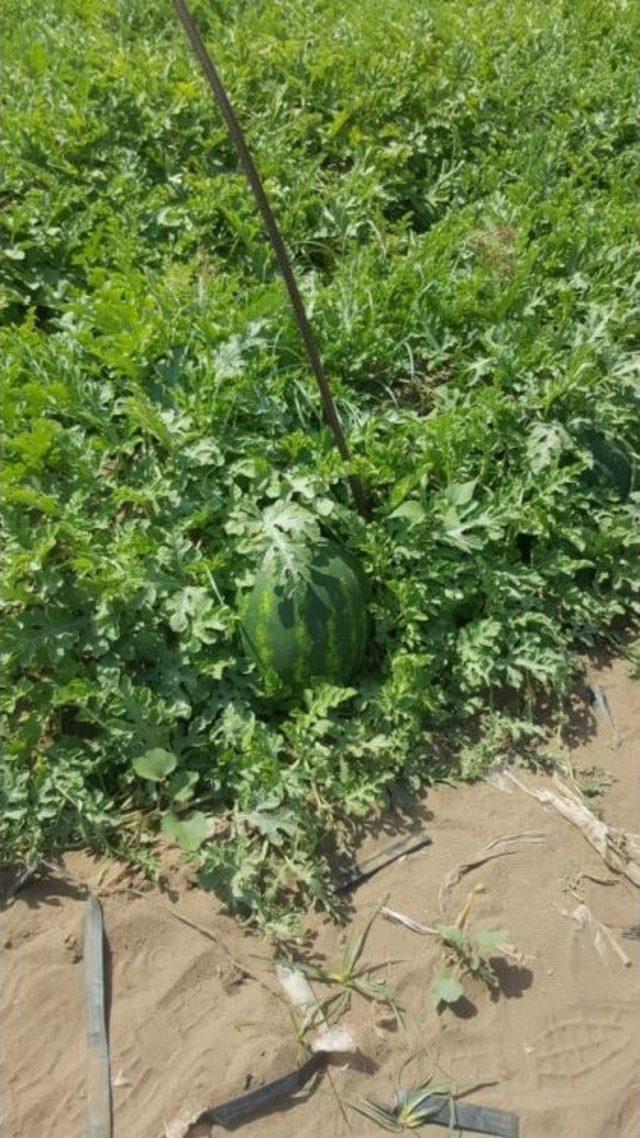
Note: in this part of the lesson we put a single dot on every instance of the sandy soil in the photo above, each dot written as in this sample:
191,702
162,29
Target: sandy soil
189,1029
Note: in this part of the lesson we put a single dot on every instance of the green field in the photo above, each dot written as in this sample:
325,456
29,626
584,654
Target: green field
456,183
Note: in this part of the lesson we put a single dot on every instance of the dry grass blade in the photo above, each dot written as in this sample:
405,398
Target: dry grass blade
596,879
356,944
500,847
619,849
408,922
461,919
380,1114
603,939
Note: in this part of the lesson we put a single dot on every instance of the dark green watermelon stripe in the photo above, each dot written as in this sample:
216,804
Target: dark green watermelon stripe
319,632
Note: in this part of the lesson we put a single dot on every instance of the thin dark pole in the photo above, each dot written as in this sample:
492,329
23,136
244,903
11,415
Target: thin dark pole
249,167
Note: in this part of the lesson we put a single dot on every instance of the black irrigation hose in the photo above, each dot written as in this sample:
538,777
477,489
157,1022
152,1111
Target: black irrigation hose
467,1116
441,1109
99,1123
297,304
363,870
261,1101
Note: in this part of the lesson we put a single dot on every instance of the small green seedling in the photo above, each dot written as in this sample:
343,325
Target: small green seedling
468,952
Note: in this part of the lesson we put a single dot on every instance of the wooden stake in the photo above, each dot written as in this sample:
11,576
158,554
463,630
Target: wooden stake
279,248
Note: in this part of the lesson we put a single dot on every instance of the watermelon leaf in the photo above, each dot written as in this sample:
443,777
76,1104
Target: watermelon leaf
291,532
410,512
489,941
546,442
460,493
181,787
273,826
155,764
188,833
445,988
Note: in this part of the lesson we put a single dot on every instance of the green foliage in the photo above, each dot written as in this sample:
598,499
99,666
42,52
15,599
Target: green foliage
155,764
469,953
593,781
412,1108
351,976
457,185
188,833
445,988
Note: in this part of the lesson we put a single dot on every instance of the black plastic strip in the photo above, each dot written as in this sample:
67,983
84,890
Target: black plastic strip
371,865
99,1124
261,1101
466,1116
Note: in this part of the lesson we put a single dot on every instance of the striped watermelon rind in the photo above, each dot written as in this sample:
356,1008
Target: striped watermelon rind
612,464
313,629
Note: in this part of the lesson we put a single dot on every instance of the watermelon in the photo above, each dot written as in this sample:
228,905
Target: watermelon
611,464
312,628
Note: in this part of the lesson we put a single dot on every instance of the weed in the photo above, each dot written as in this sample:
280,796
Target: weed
571,883
411,1108
593,781
351,977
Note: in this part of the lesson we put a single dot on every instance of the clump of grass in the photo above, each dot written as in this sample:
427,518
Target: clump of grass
411,1108
350,977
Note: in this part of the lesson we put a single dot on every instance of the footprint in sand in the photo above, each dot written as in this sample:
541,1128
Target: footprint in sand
623,1117
628,1117
577,1044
